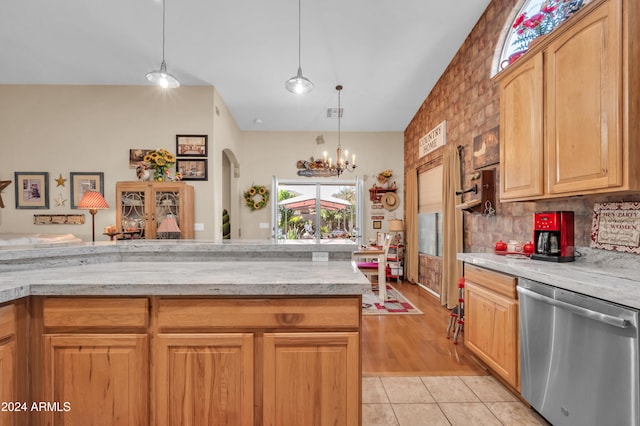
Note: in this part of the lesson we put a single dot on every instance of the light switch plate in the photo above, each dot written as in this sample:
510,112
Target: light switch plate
198,226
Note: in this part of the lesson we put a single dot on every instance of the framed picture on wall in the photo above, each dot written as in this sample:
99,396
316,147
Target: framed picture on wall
192,169
137,156
82,182
377,224
486,148
32,190
191,145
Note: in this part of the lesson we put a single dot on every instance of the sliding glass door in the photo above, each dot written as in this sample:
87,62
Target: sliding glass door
326,211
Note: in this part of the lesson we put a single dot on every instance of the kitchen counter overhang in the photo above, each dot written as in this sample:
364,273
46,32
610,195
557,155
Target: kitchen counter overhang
161,268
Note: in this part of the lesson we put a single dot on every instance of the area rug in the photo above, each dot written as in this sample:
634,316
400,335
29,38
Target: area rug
396,303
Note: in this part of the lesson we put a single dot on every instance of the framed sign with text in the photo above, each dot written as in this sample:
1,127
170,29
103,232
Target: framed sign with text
616,226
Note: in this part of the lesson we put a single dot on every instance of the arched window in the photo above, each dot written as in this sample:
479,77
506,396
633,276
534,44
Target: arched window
535,18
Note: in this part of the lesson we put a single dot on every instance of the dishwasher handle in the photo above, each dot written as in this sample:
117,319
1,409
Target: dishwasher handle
598,316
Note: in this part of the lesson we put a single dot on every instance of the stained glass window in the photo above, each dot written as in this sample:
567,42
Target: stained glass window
535,18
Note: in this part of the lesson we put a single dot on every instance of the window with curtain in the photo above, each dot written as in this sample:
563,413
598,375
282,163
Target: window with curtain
430,211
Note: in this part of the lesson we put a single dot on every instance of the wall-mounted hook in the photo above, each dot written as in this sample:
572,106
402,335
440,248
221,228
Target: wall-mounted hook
473,189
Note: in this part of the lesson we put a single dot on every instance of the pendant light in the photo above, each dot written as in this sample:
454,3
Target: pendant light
299,84
161,77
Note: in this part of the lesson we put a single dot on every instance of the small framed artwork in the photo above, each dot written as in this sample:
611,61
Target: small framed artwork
192,169
191,145
32,190
137,156
82,182
486,148
377,224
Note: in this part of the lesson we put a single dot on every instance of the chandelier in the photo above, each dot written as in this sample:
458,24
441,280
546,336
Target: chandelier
342,162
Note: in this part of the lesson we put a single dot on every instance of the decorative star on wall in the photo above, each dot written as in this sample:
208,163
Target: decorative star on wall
60,201
3,185
60,181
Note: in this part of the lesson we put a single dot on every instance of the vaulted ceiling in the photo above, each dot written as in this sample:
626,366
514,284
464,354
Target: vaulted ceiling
387,54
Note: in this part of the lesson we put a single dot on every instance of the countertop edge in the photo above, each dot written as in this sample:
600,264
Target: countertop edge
572,276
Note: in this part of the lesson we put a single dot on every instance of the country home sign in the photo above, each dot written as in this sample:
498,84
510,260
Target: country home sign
433,140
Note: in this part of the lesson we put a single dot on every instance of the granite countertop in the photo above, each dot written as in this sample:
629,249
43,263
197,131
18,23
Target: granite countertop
606,276
188,278
184,268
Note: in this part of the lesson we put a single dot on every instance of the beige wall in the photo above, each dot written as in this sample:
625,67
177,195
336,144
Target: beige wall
268,154
63,129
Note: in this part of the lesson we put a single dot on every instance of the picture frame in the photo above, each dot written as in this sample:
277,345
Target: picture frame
136,155
486,149
192,169
82,182
191,145
377,224
32,190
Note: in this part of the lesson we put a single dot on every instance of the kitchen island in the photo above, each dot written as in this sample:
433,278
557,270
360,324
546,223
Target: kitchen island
165,333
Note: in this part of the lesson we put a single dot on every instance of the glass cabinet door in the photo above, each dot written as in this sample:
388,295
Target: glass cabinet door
133,213
167,206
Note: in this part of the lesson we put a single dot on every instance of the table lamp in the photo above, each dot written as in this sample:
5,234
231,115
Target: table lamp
168,224
93,201
396,226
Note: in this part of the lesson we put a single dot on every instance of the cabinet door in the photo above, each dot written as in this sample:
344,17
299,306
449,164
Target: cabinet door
311,379
133,208
583,81
203,379
491,330
521,143
96,379
8,366
8,392
174,200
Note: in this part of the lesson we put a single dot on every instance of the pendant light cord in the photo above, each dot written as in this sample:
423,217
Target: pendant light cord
299,32
163,28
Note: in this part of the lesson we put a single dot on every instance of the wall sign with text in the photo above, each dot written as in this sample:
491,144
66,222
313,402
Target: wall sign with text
433,140
616,226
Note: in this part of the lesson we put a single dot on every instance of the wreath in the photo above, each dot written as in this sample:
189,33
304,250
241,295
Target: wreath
256,197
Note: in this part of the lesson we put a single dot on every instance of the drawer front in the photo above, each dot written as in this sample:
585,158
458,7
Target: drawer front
266,313
495,281
84,312
7,321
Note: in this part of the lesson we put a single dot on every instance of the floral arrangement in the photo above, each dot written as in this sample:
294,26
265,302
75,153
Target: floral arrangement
256,197
551,14
160,160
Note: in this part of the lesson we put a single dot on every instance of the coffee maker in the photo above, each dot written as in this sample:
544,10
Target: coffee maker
553,236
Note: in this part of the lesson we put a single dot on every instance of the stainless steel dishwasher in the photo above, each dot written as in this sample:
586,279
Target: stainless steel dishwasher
579,357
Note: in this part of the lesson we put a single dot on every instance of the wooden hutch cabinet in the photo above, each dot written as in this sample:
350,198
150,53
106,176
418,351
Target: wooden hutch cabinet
142,206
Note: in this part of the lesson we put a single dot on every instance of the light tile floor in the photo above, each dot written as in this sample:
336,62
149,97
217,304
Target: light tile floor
448,400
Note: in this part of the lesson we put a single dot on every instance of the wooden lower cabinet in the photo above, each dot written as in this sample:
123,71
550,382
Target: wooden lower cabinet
310,379
194,361
96,379
491,321
8,368
204,379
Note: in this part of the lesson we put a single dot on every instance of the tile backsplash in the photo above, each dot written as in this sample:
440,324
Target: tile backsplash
515,221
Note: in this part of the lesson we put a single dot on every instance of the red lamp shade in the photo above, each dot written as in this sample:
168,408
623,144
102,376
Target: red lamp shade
168,224
92,200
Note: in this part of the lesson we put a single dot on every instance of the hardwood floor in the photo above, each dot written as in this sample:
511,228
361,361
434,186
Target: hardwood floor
414,345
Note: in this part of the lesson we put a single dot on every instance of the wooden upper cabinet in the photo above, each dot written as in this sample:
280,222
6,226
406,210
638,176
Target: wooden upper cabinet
521,125
142,206
583,108
568,119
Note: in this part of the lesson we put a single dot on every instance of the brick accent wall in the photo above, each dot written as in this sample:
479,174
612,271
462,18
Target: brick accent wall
467,98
